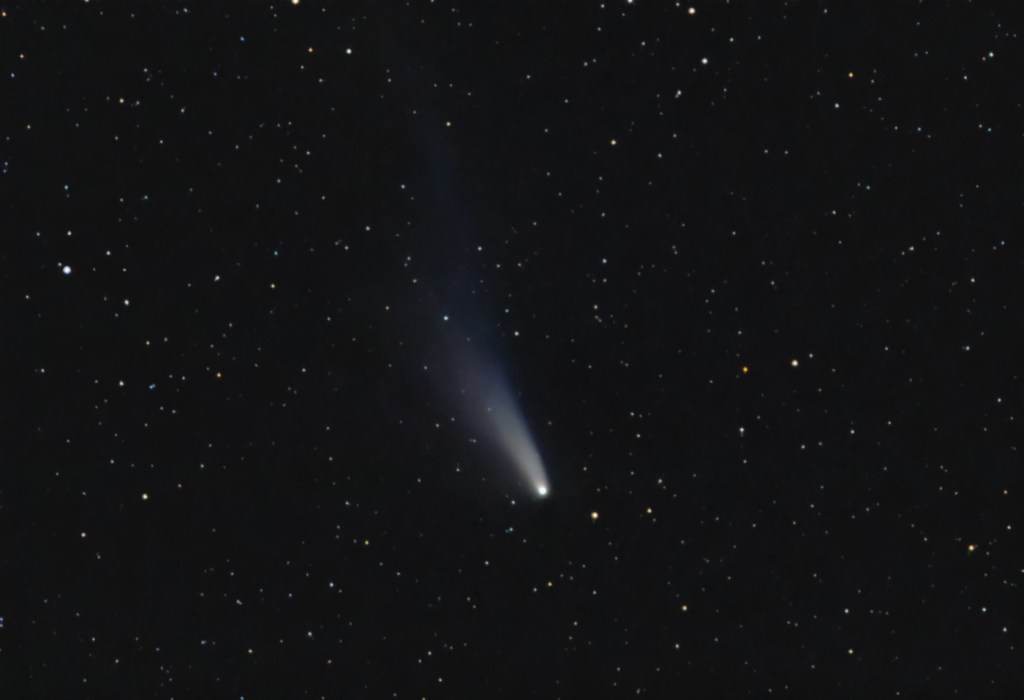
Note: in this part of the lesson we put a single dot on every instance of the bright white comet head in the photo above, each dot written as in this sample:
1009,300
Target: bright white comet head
494,408
512,435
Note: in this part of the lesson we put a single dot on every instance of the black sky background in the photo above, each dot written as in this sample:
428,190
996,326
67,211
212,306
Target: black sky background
252,481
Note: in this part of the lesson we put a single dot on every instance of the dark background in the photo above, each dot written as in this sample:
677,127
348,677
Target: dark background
252,480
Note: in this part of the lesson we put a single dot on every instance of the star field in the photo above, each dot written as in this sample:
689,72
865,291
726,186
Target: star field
510,350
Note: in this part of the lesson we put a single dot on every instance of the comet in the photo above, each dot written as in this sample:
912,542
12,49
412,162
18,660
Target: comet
510,432
493,408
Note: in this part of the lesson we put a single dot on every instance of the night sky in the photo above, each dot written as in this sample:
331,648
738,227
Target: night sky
520,350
